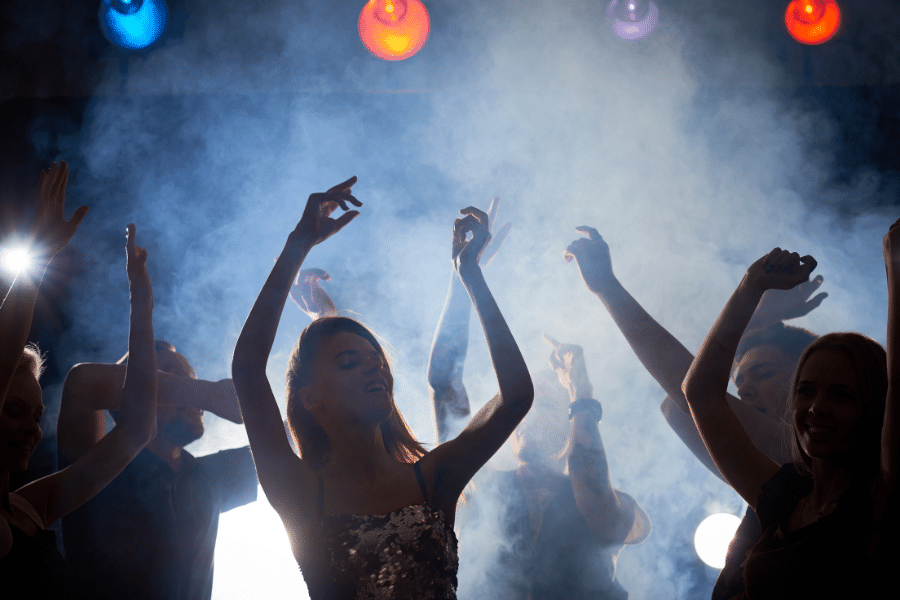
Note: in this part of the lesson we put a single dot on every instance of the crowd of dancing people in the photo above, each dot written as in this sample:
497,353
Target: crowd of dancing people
810,442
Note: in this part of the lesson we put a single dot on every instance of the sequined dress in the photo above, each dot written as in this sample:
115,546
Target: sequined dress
407,553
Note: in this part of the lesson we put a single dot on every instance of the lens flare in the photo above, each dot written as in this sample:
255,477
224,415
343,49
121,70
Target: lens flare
133,24
393,29
632,19
812,21
713,536
15,260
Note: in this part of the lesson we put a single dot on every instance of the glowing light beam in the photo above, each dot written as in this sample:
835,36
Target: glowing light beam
133,24
812,21
393,29
713,536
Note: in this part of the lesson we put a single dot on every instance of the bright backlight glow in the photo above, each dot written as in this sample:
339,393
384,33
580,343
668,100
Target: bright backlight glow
713,536
133,24
812,21
393,29
14,260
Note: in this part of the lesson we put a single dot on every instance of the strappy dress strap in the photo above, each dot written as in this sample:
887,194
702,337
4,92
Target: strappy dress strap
421,481
320,498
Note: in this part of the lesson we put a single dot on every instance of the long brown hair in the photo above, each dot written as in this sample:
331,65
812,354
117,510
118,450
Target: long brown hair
310,438
868,360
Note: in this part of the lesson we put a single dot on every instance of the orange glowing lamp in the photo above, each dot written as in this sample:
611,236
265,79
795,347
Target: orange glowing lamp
393,29
812,21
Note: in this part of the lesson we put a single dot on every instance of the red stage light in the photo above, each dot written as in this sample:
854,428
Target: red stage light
812,21
393,29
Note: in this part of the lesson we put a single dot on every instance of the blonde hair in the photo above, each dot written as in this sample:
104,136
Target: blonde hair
311,439
32,360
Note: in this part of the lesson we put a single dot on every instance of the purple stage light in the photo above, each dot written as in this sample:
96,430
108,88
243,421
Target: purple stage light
632,19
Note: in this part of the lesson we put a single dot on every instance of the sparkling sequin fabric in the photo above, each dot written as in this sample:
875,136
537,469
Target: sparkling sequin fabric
407,553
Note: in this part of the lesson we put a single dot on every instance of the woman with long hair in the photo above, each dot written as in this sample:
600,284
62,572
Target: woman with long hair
825,514
368,511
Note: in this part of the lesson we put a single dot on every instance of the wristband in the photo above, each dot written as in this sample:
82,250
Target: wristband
588,405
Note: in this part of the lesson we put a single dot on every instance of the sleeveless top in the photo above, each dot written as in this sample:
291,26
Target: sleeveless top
825,559
407,553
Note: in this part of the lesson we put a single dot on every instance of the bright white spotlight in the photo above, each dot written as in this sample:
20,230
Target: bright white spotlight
133,24
713,536
15,260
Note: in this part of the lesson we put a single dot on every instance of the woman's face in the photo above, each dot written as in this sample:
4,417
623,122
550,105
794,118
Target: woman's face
351,379
827,404
20,429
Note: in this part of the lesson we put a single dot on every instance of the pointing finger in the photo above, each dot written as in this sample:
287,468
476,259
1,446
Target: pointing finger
589,231
342,186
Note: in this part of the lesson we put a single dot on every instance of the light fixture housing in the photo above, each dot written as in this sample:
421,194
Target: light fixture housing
812,22
133,24
393,29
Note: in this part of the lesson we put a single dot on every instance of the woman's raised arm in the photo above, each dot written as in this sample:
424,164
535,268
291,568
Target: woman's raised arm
276,463
456,461
742,464
890,436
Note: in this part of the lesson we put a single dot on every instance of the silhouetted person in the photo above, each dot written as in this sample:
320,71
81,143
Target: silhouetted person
763,365
152,532
553,527
827,516
369,513
30,564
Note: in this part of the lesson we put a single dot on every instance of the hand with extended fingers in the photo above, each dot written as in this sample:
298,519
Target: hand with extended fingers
50,230
780,270
466,252
490,251
309,295
316,224
592,256
782,305
567,360
136,266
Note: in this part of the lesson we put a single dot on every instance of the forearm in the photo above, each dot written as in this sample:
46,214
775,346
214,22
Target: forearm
137,412
448,355
255,342
509,365
890,439
706,384
664,357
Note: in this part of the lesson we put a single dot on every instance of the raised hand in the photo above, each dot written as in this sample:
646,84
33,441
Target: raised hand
50,230
780,270
592,256
567,361
316,224
782,305
309,295
466,252
496,241
136,266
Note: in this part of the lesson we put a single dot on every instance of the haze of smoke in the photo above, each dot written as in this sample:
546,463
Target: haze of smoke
225,132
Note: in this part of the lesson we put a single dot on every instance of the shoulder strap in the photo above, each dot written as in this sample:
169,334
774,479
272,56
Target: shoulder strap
320,499
421,481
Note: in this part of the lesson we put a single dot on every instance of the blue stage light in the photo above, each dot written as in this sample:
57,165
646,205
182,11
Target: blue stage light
133,24
632,19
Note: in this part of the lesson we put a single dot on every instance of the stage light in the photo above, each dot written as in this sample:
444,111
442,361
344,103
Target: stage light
133,24
15,260
812,21
393,29
713,536
632,19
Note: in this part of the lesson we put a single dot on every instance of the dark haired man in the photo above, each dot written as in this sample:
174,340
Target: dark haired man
151,533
